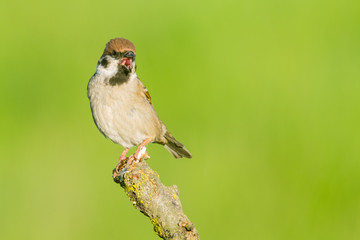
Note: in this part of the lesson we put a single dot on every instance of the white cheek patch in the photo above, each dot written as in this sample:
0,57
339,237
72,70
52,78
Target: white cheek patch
110,70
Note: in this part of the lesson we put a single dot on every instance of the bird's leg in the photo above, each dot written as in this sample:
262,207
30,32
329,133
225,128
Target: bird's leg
139,153
121,162
141,149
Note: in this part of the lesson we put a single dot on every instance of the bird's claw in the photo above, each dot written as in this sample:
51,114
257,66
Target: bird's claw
137,157
119,166
130,162
116,176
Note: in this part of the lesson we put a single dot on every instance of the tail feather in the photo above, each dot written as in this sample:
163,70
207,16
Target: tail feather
176,148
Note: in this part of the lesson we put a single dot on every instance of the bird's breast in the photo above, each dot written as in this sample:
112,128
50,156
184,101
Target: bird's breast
121,115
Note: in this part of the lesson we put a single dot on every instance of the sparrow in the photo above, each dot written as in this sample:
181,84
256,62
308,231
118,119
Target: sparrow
121,105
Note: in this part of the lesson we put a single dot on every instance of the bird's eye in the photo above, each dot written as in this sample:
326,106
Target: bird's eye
113,53
129,54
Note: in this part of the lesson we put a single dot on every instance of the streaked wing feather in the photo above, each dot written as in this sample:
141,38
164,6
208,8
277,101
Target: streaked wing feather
147,94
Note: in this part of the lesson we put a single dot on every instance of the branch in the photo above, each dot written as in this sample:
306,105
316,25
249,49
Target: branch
160,203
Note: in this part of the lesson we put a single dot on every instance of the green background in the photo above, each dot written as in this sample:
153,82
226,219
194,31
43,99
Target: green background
265,94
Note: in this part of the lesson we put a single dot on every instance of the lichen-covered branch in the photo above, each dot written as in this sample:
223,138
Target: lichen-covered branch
160,203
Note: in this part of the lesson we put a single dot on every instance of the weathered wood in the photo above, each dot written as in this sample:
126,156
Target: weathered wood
160,203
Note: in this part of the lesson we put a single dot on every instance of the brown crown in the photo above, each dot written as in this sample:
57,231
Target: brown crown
119,45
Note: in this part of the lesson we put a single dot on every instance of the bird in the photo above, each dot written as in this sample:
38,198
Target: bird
122,108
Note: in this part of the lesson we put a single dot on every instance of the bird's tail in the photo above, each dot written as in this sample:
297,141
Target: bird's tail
176,148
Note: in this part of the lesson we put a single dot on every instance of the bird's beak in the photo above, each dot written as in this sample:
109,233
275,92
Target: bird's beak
127,59
126,62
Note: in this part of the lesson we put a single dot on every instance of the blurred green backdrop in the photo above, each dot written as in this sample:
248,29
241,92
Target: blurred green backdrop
265,94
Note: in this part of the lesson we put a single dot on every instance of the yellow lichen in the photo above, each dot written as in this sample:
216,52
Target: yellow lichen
157,227
130,188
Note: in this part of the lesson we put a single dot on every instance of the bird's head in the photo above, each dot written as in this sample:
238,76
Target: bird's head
118,58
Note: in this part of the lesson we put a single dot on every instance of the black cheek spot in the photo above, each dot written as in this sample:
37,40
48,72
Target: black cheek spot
120,77
104,62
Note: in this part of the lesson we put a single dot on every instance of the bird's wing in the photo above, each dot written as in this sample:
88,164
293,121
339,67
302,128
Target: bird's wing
147,95
145,92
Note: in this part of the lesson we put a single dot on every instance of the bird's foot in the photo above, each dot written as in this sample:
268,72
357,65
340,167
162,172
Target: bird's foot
137,157
125,162
142,154
146,156
119,166
122,160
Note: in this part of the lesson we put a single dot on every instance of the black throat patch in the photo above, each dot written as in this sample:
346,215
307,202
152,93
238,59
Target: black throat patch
120,77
